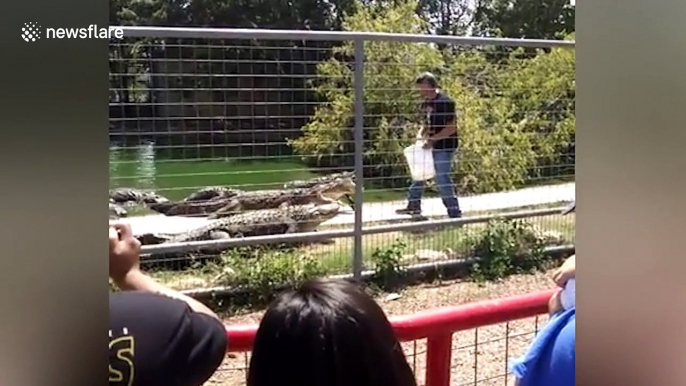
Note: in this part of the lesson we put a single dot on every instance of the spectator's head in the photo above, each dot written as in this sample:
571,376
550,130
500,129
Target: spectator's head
427,84
327,333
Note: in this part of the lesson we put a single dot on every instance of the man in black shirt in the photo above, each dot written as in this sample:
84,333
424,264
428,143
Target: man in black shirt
157,335
439,133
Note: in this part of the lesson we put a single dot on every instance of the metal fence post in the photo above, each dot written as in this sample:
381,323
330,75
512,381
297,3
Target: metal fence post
359,161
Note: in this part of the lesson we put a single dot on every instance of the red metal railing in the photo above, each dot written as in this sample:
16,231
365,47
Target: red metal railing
437,326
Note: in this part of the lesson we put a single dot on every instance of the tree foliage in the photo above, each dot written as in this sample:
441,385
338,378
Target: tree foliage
516,114
530,19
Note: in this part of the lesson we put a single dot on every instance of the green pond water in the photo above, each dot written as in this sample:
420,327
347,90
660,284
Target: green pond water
145,167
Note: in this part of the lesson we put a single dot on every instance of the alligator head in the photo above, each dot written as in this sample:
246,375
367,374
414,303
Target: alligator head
316,214
152,198
337,188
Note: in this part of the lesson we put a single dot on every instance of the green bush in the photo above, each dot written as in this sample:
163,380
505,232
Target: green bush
516,109
388,268
269,272
506,247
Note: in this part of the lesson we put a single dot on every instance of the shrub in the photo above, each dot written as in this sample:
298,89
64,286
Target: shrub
264,275
506,247
388,268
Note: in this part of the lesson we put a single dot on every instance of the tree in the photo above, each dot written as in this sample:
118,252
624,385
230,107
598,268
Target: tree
530,19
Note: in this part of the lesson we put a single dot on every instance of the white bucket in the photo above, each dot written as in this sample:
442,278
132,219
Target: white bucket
420,161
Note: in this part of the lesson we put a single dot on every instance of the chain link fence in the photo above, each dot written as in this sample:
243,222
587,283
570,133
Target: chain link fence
243,157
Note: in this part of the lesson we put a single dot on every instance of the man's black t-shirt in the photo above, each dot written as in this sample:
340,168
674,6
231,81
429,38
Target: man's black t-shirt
156,340
440,111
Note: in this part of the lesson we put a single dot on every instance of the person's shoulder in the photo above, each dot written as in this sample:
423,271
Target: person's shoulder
129,298
128,305
445,98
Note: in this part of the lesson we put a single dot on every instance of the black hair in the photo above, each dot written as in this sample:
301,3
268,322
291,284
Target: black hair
428,78
327,333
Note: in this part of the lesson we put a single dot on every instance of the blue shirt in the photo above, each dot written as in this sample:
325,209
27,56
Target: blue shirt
551,358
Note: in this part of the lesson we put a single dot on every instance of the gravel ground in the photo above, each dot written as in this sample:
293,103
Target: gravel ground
479,356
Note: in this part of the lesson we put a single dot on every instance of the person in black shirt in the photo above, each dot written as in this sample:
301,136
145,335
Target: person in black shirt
157,336
439,133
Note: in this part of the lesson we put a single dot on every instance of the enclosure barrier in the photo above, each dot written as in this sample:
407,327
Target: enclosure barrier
437,326
358,39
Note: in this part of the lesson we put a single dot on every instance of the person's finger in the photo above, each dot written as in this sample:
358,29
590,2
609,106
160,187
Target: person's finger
124,230
561,280
114,237
557,275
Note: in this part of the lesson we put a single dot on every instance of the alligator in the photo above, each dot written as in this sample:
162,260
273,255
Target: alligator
190,208
305,184
210,192
202,202
128,195
324,179
283,220
322,193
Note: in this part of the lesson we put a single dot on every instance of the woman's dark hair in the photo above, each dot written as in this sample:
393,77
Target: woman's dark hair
327,333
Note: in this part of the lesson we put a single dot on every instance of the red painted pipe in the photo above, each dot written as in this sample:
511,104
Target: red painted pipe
439,321
439,352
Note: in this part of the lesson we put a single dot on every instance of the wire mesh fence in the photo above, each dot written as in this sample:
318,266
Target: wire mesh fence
243,137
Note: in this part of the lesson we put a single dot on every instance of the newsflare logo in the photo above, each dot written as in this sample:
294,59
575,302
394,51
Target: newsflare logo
31,32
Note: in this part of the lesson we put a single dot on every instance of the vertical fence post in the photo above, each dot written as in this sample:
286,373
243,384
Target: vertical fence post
359,161
438,359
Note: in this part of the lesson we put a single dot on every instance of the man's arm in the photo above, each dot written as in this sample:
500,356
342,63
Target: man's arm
447,131
136,280
126,274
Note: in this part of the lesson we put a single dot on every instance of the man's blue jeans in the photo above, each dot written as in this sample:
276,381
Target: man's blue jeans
443,161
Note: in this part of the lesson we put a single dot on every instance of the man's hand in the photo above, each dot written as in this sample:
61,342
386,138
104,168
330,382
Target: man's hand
421,134
124,252
566,271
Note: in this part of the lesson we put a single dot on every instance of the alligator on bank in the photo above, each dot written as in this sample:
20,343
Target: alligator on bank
201,203
222,202
323,193
135,196
283,220
211,192
126,196
304,184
